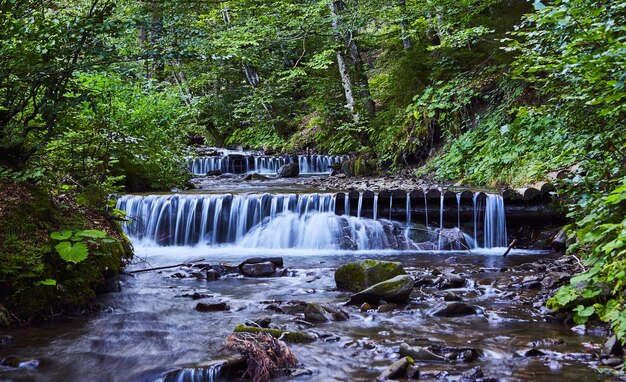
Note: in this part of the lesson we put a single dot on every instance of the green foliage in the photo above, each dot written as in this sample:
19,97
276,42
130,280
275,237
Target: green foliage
77,251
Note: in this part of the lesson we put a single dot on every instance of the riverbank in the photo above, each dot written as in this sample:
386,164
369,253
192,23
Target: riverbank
38,284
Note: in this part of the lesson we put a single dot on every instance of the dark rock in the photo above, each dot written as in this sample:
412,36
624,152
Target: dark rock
217,307
559,241
214,173
612,346
387,308
258,270
6,340
397,369
178,275
197,296
452,281
264,322
535,285
449,297
199,275
397,289
612,361
277,261
453,309
289,170
294,307
359,275
316,313
531,353
212,275
254,176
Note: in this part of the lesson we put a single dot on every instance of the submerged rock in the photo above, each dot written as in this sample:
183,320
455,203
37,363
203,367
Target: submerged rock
397,289
289,170
453,309
359,275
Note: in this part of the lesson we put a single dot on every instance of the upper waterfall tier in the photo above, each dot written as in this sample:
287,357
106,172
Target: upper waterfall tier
263,164
317,221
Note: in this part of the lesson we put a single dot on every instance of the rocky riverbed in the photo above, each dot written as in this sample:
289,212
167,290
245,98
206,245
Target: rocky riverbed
469,316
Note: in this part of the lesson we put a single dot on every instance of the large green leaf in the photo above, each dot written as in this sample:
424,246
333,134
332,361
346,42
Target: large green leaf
73,253
63,235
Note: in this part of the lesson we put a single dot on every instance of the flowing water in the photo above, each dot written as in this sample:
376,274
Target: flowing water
241,163
151,326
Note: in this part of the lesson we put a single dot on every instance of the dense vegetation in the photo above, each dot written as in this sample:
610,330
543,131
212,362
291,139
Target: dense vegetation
102,96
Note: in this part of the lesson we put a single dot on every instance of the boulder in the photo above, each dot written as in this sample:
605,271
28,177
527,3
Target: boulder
612,346
316,313
264,269
289,170
453,309
277,261
397,289
359,275
397,369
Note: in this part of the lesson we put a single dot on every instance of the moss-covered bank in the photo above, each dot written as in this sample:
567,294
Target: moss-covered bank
36,284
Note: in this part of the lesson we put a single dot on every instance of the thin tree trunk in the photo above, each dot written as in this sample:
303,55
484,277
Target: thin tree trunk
346,81
406,41
361,77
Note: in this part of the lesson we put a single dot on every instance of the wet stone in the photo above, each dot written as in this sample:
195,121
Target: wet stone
397,369
612,361
216,307
196,296
547,342
452,281
612,346
531,353
453,309
473,373
22,363
212,275
316,313
264,269
449,297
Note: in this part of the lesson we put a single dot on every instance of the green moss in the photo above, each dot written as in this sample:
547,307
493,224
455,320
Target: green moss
293,337
359,275
27,255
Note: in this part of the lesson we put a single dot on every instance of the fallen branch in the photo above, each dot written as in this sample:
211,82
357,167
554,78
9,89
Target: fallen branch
188,264
509,248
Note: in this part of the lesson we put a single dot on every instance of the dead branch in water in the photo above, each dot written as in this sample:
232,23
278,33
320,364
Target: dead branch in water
265,355
509,248
187,264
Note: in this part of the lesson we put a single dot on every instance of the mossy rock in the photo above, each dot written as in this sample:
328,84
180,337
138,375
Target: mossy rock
359,275
362,167
293,337
397,290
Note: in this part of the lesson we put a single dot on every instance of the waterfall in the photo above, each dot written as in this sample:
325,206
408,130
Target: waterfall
408,208
245,162
273,220
375,206
495,222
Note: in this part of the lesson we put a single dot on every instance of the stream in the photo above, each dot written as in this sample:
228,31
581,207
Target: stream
152,327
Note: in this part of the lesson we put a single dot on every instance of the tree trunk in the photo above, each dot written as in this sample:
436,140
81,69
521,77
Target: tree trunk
346,81
361,78
406,41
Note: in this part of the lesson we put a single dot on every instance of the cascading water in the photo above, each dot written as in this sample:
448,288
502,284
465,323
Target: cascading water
263,164
283,220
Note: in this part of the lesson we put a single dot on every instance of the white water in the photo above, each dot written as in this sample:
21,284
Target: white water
291,221
262,164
